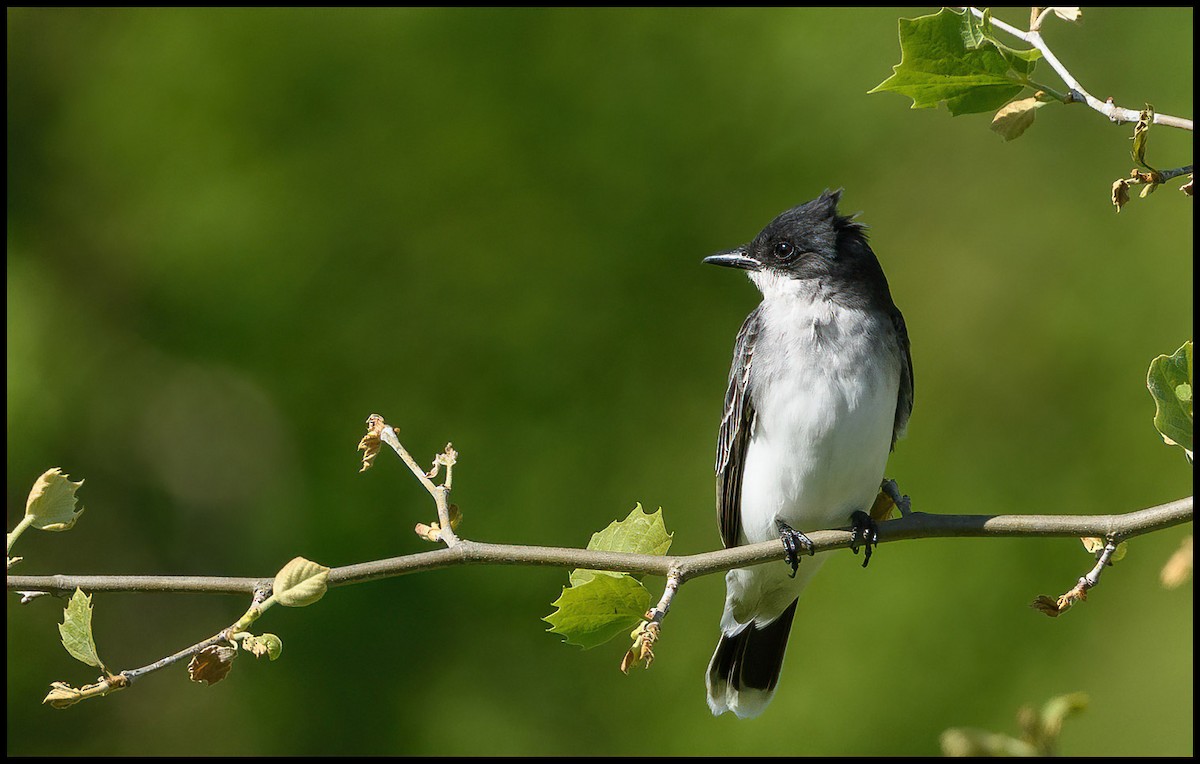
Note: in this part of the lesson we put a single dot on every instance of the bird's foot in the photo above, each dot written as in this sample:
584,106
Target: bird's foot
865,534
795,543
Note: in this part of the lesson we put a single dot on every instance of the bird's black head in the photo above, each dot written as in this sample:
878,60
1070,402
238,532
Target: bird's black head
813,242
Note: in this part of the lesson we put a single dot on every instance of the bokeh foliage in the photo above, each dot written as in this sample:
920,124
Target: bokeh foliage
233,234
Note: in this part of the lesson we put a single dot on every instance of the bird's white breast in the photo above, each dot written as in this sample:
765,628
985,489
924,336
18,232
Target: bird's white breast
823,381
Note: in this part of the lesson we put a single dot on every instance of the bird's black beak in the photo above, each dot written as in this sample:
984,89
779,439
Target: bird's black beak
734,258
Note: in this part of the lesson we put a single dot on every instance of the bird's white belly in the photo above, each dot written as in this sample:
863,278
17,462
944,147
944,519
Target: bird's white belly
822,431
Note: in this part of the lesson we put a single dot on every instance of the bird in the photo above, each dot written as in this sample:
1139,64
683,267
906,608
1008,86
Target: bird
820,389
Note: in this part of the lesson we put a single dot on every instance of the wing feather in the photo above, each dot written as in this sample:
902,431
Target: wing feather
737,426
904,398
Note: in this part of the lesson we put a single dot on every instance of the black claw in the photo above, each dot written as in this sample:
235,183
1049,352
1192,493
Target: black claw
795,543
866,534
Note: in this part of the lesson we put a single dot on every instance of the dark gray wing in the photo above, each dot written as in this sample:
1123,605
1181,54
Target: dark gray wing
737,426
904,399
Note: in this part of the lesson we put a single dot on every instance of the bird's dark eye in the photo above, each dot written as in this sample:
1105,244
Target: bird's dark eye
784,250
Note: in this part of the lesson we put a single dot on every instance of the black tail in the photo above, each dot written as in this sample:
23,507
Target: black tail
745,668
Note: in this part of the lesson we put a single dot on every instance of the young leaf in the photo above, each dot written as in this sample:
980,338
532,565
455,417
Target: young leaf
1141,133
51,501
1096,545
1016,117
300,583
263,644
599,605
76,630
1170,383
640,533
601,608
937,65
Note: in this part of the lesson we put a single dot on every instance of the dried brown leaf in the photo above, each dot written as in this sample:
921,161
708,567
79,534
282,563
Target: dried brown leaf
370,442
62,695
1046,604
642,651
212,664
1120,193
1056,607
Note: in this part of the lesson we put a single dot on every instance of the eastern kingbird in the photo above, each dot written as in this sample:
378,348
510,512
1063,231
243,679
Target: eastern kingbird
820,389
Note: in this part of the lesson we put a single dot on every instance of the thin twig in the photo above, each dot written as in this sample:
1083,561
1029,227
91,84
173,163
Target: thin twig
388,435
647,632
1055,607
1175,172
1076,91
438,492
659,611
261,593
215,639
913,526
1102,560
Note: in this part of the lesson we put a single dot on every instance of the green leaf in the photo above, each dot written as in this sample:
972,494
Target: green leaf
640,533
972,34
1170,383
1096,545
599,605
76,630
950,58
1141,133
1021,61
595,611
51,502
264,644
300,583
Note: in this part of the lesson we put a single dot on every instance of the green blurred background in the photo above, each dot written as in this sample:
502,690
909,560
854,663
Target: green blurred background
233,234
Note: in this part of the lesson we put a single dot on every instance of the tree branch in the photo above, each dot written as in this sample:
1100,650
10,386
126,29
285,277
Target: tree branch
912,526
1076,91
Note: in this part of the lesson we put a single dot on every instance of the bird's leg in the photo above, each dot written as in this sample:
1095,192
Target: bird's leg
796,543
866,534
